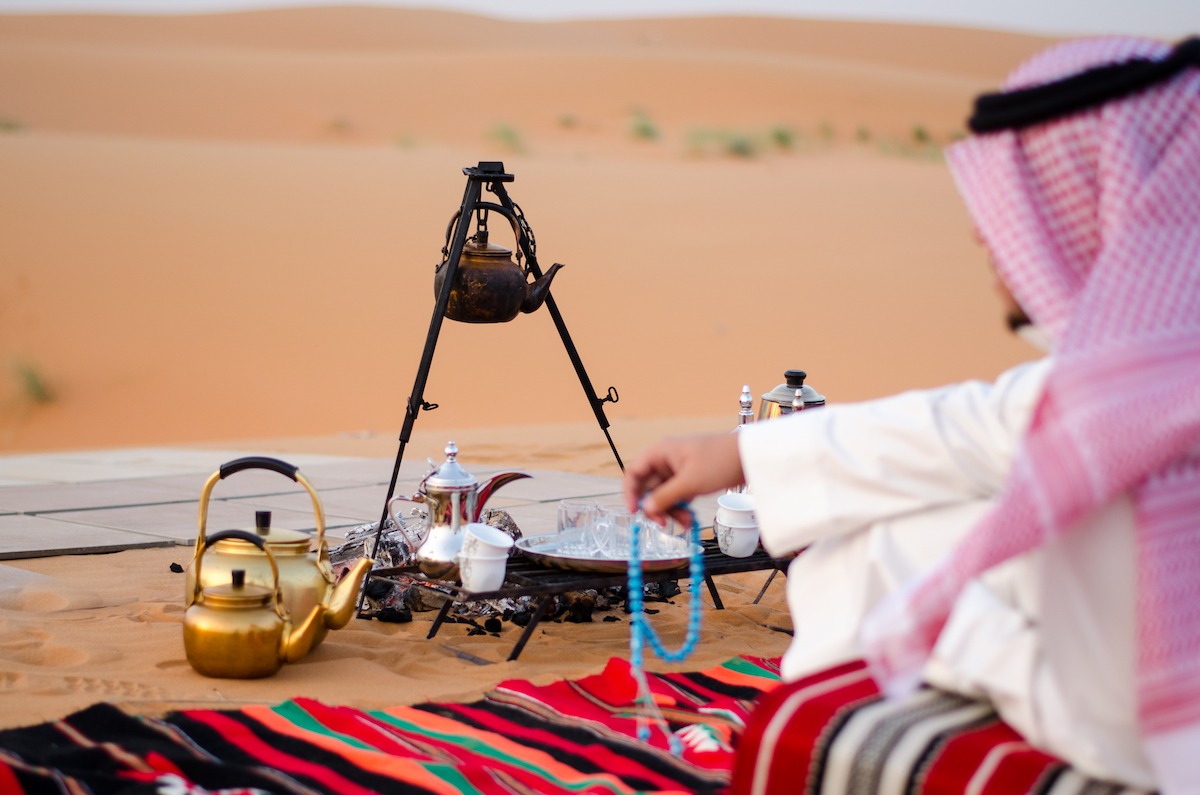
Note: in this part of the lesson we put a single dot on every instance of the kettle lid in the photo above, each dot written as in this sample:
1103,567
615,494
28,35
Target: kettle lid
281,540
238,592
277,536
450,476
479,246
785,393
476,249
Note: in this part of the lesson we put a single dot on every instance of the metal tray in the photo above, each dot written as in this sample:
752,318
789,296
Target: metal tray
544,549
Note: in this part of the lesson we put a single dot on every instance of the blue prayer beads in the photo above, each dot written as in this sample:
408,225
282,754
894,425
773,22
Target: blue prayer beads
640,629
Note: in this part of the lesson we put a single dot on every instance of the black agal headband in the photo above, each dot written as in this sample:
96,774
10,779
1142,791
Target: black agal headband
1012,110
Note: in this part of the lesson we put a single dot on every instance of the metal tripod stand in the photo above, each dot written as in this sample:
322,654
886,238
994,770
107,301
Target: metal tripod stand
493,176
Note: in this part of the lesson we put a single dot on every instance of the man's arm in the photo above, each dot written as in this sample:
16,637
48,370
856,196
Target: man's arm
837,469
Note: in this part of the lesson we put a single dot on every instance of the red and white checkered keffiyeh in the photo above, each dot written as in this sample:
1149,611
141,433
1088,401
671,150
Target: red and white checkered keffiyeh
1094,224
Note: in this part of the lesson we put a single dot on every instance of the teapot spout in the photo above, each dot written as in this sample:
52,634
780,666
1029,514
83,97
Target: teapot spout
489,486
300,640
535,296
344,597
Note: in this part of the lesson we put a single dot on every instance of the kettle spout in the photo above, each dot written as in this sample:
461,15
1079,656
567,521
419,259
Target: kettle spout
300,640
489,486
344,597
535,296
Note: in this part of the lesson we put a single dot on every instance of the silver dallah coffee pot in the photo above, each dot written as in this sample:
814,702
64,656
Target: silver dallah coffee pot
453,499
779,400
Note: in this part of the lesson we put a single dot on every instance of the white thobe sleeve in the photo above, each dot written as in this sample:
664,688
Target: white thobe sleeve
833,470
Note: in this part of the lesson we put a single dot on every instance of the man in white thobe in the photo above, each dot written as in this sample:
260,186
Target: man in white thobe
1034,542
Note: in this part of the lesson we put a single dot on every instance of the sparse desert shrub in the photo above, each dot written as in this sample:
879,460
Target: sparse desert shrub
340,125
827,131
740,145
783,136
33,385
507,136
568,121
921,136
8,124
642,127
706,141
863,134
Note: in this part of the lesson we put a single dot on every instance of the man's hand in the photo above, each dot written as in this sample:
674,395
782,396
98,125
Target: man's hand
675,471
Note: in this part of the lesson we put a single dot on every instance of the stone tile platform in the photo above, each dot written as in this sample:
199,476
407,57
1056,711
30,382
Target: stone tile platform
110,500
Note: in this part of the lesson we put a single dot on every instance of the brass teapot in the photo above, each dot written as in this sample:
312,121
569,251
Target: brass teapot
305,576
489,287
242,631
453,499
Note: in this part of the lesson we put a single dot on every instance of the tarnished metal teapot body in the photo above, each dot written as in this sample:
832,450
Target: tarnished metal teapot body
452,499
305,574
238,630
488,286
780,400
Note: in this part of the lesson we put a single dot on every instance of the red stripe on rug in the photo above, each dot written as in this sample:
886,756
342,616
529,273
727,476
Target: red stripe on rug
238,734
8,781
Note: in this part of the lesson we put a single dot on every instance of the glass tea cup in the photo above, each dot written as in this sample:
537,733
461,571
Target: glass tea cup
614,531
577,527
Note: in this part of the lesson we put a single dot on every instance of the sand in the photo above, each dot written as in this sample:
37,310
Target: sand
222,229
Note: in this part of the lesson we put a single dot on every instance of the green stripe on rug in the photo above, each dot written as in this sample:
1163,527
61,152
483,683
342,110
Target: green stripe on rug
483,749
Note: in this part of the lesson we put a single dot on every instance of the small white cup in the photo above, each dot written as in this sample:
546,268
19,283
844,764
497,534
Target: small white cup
484,541
736,509
736,542
480,573
736,527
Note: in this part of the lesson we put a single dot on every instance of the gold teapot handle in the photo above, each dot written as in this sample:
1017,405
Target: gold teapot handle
261,462
241,535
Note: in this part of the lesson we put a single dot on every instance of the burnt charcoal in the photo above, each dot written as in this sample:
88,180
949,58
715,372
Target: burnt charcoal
175,567
662,591
477,631
492,624
579,606
394,547
522,616
423,599
377,589
650,611
608,598
502,521
558,607
612,618
394,615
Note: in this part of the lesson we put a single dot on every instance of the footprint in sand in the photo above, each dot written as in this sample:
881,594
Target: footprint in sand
11,681
37,647
105,688
167,665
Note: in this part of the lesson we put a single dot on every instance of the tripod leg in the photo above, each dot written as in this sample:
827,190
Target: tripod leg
597,403
416,399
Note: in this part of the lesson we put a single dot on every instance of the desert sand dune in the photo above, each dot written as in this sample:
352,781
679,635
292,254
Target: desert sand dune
224,227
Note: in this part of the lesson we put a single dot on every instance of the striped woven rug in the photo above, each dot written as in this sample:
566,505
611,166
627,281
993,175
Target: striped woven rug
567,737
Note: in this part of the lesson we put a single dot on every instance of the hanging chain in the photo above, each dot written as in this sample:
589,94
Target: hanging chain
522,225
